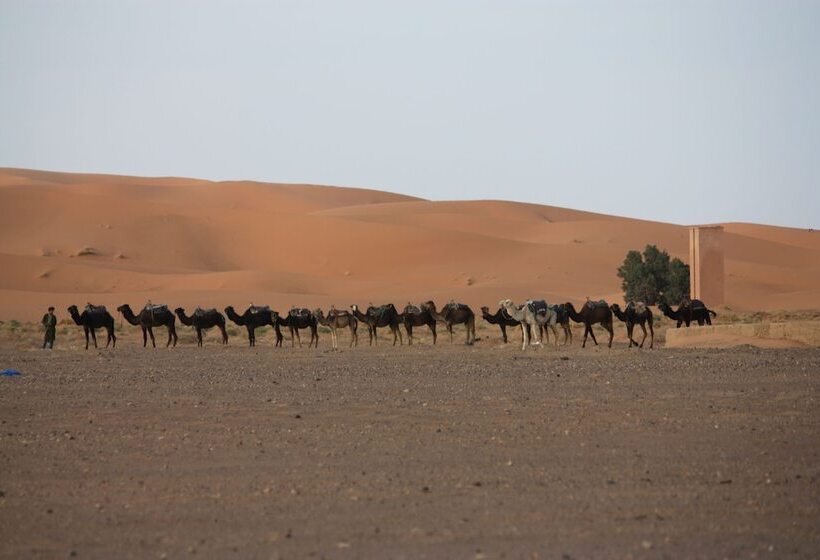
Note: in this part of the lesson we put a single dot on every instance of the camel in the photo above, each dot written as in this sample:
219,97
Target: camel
301,318
532,316
636,313
92,318
337,319
454,314
383,316
501,318
203,319
414,316
253,318
151,316
592,312
690,310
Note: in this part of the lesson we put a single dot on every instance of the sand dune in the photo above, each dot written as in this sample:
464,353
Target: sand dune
71,238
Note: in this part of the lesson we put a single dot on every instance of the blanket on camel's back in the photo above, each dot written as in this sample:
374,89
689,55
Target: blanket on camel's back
299,313
412,309
637,307
596,304
199,312
454,306
156,307
90,308
254,309
377,312
693,304
537,306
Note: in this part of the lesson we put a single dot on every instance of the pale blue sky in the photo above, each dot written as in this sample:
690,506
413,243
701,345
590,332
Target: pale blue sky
689,112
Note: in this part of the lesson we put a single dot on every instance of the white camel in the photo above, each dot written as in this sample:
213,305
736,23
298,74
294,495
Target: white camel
535,314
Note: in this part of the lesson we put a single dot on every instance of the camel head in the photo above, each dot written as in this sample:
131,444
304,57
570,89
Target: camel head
615,308
122,308
485,309
429,304
318,313
354,307
506,303
73,309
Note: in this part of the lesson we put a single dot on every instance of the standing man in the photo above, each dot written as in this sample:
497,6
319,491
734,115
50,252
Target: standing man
50,323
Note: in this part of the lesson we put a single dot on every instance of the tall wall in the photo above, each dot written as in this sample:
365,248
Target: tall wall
706,275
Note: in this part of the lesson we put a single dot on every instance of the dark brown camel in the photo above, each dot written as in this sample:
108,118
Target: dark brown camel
151,316
454,314
376,317
92,318
414,316
591,313
203,319
339,319
301,318
253,318
689,311
502,319
636,313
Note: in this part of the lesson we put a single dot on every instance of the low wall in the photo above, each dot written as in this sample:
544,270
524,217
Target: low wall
798,333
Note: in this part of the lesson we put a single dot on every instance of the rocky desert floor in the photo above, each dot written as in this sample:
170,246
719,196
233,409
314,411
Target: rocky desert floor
409,452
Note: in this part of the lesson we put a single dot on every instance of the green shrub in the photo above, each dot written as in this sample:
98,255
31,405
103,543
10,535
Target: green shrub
653,276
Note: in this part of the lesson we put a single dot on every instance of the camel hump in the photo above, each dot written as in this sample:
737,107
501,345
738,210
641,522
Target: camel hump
95,308
254,309
156,307
694,304
454,305
595,304
412,309
199,311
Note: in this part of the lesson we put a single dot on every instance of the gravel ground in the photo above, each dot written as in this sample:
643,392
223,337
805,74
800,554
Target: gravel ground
409,452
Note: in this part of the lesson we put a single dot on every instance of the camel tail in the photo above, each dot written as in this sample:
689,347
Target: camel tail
712,313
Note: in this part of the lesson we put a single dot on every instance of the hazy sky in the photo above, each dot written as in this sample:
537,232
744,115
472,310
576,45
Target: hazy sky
689,112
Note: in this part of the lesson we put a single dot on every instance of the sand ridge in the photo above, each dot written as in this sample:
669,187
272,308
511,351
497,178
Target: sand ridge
71,238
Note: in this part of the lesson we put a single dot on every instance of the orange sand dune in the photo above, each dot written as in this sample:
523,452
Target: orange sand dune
71,238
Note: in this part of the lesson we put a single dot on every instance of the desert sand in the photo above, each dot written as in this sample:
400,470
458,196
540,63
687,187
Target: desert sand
72,238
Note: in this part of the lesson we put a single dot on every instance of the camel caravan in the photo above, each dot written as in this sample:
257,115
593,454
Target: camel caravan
535,318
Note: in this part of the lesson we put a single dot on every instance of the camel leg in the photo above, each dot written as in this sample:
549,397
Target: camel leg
592,334
144,337
224,334
409,328
643,328
294,335
608,327
397,331
651,333
503,333
86,337
554,334
251,339
450,330
151,334
314,336
433,330
525,339
471,332
94,336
